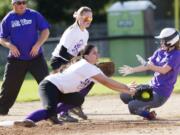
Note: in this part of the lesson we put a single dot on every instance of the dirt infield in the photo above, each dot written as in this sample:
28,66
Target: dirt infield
107,116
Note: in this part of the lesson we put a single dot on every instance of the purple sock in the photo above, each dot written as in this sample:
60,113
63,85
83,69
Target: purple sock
38,115
63,108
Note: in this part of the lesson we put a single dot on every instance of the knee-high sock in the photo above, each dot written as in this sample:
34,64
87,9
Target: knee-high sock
63,108
38,115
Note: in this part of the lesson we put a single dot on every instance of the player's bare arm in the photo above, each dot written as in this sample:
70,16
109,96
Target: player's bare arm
13,49
162,70
125,70
112,84
43,37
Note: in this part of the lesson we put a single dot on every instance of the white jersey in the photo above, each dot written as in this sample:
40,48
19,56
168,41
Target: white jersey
74,78
73,39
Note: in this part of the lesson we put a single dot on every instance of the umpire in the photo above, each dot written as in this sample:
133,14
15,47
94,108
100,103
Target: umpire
23,31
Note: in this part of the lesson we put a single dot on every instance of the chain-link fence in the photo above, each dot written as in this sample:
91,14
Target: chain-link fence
98,37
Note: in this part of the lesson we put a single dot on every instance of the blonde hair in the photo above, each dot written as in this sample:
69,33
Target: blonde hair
80,11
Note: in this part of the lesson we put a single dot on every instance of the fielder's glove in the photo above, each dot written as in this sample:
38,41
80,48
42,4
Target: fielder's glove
144,93
108,68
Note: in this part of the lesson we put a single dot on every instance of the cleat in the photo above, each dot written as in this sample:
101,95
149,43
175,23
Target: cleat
25,123
67,118
3,112
152,116
55,120
79,112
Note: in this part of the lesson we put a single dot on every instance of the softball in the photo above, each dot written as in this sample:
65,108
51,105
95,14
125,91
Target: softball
145,95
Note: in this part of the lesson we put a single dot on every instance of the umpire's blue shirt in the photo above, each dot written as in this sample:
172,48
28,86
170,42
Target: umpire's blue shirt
22,31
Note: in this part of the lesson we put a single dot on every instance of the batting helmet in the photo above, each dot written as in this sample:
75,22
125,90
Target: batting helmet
169,35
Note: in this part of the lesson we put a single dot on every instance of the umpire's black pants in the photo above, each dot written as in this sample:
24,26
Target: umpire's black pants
50,96
14,74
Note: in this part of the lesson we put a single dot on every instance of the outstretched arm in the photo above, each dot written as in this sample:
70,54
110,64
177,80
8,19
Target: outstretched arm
125,70
160,69
112,84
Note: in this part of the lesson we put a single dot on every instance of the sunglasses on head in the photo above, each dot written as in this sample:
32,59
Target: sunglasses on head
87,19
21,3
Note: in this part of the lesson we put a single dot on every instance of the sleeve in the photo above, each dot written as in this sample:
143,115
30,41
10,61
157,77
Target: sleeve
89,71
4,29
153,57
41,22
174,61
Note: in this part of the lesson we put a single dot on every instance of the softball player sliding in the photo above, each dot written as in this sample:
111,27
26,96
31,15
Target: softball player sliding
165,62
55,88
73,40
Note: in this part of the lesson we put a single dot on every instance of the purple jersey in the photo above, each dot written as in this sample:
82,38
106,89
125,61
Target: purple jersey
163,84
22,31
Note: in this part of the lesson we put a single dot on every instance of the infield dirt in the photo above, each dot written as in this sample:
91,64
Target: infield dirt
107,115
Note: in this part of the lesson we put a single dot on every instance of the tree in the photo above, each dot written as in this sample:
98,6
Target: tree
164,10
5,6
59,11
62,10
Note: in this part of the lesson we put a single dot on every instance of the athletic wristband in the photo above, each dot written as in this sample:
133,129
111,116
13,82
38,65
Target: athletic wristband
64,54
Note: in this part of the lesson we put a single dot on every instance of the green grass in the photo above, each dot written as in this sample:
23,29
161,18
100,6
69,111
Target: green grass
29,89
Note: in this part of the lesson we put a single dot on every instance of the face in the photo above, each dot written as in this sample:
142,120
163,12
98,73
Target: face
85,19
19,7
163,46
93,56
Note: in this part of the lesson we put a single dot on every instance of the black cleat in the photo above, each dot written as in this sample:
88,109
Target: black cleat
4,112
79,112
55,120
67,118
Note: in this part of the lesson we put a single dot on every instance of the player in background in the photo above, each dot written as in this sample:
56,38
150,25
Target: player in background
23,31
165,62
55,88
73,40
